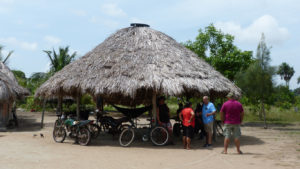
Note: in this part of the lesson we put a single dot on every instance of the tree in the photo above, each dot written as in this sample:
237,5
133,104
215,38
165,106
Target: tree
60,60
298,80
20,76
283,97
218,49
257,80
5,59
286,72
36,79
297,91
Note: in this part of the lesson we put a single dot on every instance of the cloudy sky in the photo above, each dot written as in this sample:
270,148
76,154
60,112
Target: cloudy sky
31,26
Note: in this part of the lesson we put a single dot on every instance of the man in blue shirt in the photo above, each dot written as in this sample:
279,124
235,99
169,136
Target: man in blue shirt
208,112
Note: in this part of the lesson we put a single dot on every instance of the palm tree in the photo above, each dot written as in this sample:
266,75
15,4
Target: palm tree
286,72
4,59
60,59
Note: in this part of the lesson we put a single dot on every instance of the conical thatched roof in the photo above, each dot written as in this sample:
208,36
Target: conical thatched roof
132,64
6,91
8,78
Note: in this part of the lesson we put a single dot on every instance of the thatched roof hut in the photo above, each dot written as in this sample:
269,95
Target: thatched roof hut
6,91
18,90
9,92
133,64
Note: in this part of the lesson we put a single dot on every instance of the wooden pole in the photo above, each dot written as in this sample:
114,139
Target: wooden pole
43,113
60,99
154,106
59,105
78,106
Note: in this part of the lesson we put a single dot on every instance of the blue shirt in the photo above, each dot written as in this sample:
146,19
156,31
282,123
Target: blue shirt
209,108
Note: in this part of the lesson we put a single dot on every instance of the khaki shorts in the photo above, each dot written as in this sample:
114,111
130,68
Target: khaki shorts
209,127
232,130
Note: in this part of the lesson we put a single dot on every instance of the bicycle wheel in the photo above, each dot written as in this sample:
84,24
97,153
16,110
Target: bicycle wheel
219,128
59,134
159,136
126,137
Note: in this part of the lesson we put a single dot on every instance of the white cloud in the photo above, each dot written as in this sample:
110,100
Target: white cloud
275,34
22,44
112,9
52,40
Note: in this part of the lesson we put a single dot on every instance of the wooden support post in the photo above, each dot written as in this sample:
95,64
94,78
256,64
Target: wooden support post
99,102
43,113
78,106
59,105
154,106
60,100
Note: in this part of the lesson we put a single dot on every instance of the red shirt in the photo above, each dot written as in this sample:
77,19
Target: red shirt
186,114
232,110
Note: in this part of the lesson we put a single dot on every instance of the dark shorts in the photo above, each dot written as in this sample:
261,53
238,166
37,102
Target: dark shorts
188,131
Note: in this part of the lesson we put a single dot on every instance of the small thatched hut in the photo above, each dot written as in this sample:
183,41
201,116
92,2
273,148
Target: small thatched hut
133,66
9,92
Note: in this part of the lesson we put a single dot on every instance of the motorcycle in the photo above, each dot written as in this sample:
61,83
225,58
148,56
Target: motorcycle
111,125
77,130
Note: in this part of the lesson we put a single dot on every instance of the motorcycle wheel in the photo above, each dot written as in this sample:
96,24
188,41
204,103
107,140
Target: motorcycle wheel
59,134
84,136
95,130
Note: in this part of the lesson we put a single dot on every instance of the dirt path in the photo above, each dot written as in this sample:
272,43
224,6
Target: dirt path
277,147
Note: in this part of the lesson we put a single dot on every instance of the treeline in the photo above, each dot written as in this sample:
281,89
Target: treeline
253,74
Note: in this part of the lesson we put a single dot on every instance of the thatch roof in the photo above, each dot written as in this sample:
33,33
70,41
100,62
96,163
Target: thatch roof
133,63
8,78
6,91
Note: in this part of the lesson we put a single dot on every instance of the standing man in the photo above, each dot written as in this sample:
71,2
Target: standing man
163,116
208,112
232,114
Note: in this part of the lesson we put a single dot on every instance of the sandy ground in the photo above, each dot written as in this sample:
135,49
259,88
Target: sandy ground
276,147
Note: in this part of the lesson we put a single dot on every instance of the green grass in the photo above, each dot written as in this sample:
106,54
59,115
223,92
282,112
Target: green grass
274,115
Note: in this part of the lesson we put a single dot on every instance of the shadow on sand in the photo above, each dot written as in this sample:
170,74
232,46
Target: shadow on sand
107,140
28,123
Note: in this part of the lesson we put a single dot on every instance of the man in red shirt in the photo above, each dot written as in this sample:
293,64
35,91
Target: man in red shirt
232,114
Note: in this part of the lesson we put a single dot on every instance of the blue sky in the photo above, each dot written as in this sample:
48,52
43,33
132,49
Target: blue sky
30,26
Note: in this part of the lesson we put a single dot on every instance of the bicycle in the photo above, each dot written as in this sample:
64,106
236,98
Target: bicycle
219,127
158,135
